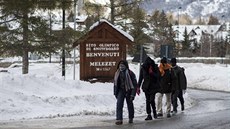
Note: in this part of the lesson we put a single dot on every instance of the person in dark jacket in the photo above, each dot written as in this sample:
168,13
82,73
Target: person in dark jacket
149,81
125,85
179,84
166,87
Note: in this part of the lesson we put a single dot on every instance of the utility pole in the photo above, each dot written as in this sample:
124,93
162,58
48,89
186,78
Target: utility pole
141,55
178,22
63,49
210,45
223,39
178,33
74,51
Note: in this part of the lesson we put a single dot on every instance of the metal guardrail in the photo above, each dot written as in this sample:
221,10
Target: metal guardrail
220,60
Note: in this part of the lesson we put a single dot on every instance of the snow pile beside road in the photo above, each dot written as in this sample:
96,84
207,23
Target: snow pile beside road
43,93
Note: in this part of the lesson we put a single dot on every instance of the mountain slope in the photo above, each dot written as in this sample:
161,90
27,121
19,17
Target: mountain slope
193,8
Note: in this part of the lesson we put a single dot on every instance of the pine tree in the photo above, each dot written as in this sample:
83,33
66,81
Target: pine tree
206,45
213,20
219,48
119,8
94,12
186,43
24,31
162,30
138,26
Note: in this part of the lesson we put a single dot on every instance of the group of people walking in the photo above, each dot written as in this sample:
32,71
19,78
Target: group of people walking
155,81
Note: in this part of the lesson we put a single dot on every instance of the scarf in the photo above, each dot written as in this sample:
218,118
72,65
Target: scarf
128,80
164,67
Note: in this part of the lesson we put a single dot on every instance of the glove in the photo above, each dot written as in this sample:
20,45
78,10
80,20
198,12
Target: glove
151,70
183,91
131,98
138,91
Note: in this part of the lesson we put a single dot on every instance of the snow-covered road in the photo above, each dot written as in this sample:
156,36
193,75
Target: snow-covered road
211,110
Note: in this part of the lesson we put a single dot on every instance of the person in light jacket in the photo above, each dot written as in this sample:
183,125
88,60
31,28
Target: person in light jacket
125,85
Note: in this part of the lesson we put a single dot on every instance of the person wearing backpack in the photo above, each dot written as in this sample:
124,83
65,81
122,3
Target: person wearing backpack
179,85
125,84
166,87
149,82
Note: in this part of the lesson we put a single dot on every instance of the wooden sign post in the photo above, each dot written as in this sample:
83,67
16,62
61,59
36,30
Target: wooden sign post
100,51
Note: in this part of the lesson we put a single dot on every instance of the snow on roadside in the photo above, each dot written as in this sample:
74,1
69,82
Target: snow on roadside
43,93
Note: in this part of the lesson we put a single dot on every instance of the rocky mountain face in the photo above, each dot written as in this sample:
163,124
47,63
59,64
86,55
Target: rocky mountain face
193,8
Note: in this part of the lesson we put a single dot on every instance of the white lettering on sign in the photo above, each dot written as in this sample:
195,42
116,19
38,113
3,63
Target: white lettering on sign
102,47
105,49
98,51
103,54
102,64
103,69
91,45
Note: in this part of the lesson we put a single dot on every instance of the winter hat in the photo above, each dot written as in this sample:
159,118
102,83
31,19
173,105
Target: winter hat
173,60
164,60
123,62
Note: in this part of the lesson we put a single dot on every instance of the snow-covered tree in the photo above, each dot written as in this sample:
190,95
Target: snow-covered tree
24,30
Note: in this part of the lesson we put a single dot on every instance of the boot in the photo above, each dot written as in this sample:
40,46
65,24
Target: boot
131,120
168,115
159,114
182,107
149,117
174,113
119,122
155,115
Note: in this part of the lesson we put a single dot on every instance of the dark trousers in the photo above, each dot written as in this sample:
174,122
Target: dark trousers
177,94
174,99
181,98
122,95
150,103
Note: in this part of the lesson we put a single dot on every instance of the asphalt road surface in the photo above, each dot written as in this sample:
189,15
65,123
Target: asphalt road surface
211,111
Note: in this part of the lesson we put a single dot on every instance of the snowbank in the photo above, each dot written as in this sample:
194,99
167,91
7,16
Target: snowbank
43,93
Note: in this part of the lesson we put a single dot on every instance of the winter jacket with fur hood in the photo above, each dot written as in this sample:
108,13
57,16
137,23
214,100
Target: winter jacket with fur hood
149,78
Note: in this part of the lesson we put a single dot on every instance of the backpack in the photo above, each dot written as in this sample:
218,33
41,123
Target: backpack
183,82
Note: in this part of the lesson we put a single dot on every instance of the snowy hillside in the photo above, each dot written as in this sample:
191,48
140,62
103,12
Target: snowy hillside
194,8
